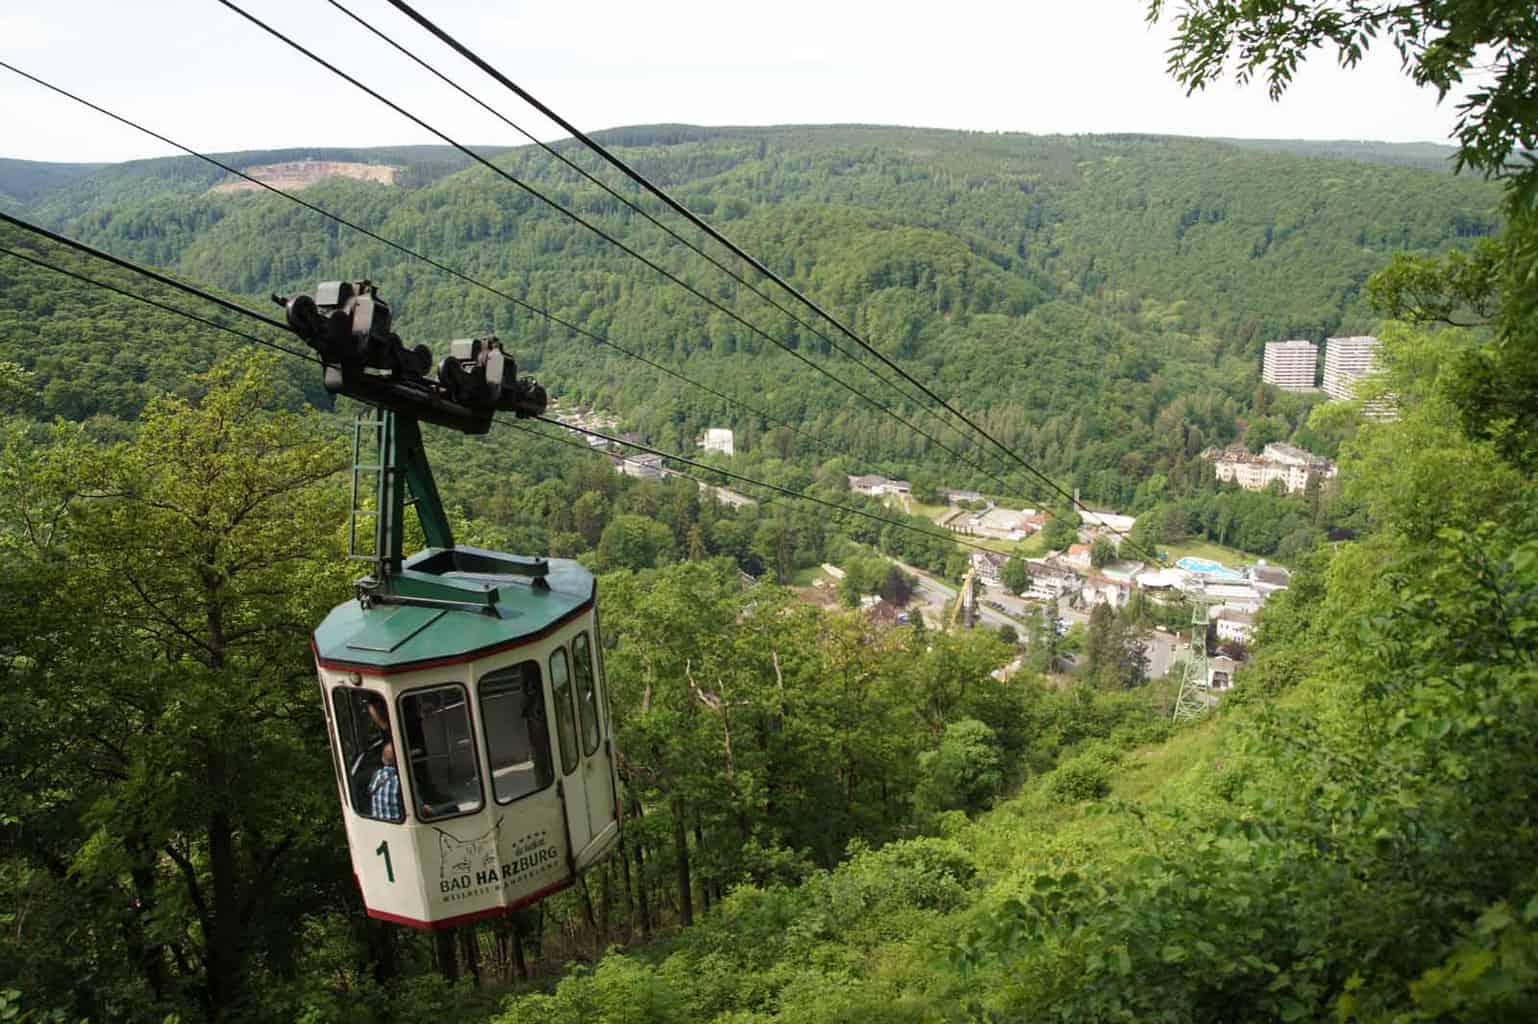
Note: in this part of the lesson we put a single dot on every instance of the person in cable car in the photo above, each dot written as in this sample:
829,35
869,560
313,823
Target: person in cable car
384,789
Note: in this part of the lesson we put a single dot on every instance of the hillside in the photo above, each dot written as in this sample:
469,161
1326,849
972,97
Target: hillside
1080,295
831,818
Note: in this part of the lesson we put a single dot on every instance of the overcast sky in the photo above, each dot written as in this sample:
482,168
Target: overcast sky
197,72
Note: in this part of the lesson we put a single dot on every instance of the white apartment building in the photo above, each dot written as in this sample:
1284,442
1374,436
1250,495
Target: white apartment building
1347,361
1277,461
1290,365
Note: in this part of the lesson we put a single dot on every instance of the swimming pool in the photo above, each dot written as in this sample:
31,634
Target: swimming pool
1207,567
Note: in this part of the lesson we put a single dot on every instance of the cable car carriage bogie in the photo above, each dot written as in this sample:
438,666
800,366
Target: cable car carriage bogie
463,688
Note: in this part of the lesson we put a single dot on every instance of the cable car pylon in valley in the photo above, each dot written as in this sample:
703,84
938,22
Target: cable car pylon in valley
463,688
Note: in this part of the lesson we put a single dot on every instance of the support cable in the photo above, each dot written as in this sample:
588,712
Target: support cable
835,506
691,289
163,279
407,251
787,492
693,218
636,208
158,305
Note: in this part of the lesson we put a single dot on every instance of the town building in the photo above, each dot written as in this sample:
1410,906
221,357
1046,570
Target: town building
1108,521
988,565
642,467
1102,589
998,523
726,496
1234,625
1348,361
1078,556
717,439
1290,464
1050,579
876,486
1290,365
954,497
1267,579
1220,672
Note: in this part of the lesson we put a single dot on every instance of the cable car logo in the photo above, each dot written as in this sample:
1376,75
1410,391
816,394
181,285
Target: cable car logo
469,867
462,856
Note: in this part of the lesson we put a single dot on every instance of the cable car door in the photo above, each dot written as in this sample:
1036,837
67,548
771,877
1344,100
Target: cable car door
573,780
597,769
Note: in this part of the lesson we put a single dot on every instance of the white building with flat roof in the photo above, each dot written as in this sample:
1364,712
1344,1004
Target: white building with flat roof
1290,365
718,439
1346,362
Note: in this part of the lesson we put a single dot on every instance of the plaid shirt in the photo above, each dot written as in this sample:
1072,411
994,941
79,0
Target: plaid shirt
384,791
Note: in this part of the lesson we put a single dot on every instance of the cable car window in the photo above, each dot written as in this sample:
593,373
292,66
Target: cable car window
587,692
565,727
363,732
517,731
445,777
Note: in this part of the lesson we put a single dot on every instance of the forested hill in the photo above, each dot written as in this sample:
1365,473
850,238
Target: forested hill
1098,302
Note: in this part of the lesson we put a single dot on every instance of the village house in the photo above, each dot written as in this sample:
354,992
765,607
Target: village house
1078,557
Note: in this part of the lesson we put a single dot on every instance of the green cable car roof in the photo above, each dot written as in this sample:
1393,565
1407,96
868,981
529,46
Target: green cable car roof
402,637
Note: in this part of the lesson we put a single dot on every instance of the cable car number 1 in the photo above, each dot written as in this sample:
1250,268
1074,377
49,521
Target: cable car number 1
383,850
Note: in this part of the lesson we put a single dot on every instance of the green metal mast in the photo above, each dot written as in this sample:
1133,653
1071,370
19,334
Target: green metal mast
1195,699
442,574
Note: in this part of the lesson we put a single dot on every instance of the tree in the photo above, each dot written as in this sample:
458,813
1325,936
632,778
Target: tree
1116,657
896,588
1440,43
1061,530
634,542
588,514
174,737
1014,576
1102,552
962,773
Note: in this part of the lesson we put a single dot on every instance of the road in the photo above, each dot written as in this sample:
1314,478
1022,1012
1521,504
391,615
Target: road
1161,647
942,595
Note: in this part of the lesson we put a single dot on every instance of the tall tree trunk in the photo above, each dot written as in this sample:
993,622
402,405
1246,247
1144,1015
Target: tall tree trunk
380,939
223,953
448,956
148,957
699,844
520,965
470,949
681,864
587,909
605,903
642,891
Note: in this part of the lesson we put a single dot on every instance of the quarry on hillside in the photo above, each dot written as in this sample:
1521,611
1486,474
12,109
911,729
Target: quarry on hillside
296,174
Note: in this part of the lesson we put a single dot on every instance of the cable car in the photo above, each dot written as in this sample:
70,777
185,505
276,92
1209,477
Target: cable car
463,688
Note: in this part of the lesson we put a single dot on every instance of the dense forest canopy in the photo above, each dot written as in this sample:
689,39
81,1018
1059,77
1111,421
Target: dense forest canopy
830,818
1098,304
